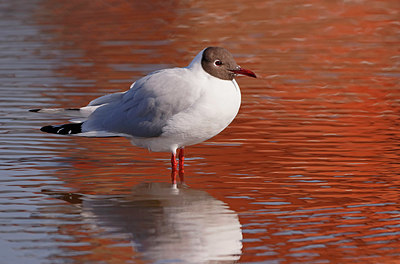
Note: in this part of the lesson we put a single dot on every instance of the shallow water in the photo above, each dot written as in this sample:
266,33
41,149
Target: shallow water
308,172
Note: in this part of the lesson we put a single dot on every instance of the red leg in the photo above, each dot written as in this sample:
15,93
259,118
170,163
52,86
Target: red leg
173,168
181,164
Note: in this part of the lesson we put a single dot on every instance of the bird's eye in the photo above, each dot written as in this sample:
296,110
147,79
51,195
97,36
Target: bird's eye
217,63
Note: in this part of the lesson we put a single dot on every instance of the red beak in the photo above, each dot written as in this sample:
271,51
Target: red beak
244,72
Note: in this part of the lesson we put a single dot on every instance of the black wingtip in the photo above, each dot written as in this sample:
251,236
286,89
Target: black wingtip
48,129
66,129
34,110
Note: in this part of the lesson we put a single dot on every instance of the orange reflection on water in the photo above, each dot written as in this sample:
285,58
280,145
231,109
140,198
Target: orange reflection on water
311,164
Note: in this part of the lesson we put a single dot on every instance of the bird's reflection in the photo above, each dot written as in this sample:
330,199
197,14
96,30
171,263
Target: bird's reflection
181,225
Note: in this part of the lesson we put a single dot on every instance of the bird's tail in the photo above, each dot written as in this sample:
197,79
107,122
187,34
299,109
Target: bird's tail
66,129
75,129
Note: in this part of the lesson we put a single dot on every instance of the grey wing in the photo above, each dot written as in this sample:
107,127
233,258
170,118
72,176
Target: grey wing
105,99
144,110
81,114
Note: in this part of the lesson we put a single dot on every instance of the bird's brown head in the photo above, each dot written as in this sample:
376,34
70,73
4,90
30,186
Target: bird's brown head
220,63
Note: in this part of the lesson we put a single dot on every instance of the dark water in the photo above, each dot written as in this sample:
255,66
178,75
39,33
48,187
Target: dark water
309,172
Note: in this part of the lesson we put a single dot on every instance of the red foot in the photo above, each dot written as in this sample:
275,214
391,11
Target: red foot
181,164
173,168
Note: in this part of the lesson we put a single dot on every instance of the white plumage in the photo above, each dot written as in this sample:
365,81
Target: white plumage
167,109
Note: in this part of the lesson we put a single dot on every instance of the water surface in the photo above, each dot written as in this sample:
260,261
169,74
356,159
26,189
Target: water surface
308,172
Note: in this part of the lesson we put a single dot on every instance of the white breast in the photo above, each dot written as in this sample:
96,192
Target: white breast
217,106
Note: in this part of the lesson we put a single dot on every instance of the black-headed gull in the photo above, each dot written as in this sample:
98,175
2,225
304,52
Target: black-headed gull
168,109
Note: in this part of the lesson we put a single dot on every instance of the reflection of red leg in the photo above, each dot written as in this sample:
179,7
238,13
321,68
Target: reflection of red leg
173,168
181,164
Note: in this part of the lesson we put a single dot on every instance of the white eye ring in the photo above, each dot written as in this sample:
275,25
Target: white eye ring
218,63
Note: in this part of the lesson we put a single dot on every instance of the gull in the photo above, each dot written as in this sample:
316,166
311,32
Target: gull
166,110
